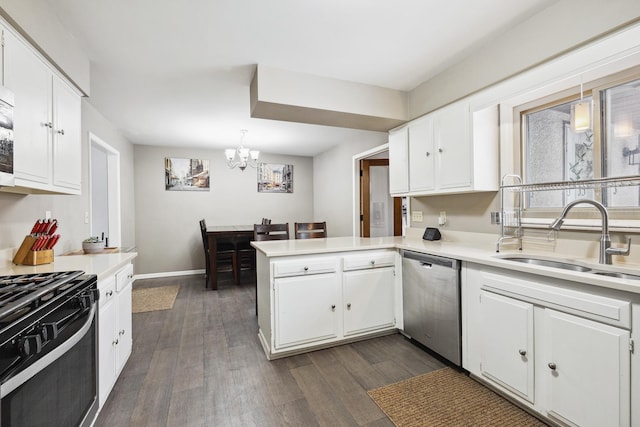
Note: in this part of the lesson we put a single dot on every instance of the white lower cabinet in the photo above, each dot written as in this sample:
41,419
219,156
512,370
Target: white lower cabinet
114,328
322,300
368,300
507,343
563,352
587,370
305,309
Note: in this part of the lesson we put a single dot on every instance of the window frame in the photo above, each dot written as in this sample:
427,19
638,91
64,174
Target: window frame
621,218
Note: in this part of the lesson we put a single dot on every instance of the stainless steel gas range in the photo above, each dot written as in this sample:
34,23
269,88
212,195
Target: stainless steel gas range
48,349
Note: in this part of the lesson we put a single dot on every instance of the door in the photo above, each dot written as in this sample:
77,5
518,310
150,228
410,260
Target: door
105,190
507,342
453,145
368,300
380,214
66,136
306,309
422,173
588,370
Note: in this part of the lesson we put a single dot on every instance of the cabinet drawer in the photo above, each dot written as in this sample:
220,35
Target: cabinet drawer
304,266
107,291
124,277
369,260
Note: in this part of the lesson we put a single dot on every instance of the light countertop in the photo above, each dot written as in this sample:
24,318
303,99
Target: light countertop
471,251
100,264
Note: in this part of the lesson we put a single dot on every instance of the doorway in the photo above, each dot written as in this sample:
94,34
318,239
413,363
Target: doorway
376,213
104,177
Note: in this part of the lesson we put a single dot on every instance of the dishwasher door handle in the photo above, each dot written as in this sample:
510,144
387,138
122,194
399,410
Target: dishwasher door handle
426,264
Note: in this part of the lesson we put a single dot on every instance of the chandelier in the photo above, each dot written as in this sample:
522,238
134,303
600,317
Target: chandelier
241,156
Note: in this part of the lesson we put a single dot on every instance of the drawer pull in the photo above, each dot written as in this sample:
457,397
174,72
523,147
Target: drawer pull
373,262
306,268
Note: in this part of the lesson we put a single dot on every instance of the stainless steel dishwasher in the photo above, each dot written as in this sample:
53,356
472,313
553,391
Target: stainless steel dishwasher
431,301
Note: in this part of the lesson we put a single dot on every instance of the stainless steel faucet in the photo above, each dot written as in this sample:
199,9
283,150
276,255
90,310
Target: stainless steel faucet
605,240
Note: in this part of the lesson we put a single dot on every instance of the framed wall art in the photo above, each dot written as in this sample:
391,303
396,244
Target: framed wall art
275,178
186,174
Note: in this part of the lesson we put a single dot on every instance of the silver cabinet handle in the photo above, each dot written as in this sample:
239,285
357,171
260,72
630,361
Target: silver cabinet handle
306,268
522,352
115,342
333,307
109,293
428,154
440,150
60,131
373,262
348,306
121,332
552,366
48,125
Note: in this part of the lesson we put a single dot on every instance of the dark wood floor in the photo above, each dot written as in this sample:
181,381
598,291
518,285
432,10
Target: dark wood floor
201,364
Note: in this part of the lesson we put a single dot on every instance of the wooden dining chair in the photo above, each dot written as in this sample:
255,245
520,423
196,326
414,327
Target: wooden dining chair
310,230
263,232
225,255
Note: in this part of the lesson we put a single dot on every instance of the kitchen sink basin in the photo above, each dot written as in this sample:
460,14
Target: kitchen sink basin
548,263
618,275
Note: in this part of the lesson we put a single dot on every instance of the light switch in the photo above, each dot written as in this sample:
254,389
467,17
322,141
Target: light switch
416,216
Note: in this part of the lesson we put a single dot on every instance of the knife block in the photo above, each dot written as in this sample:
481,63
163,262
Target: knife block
26,256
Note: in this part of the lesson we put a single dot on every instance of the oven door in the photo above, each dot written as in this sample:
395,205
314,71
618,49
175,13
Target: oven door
6,137
60,387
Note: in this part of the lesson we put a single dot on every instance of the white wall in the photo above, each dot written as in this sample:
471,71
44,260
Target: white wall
167,233
332,184
556,30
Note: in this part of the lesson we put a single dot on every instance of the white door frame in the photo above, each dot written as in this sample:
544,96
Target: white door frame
356,182
113,185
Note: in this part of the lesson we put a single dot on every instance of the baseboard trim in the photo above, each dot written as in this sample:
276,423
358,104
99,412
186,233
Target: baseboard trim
168,274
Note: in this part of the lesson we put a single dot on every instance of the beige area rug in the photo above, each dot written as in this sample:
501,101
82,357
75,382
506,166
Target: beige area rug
152,299
447,398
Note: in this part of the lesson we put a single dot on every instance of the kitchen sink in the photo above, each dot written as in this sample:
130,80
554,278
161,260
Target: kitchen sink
548,263
618,275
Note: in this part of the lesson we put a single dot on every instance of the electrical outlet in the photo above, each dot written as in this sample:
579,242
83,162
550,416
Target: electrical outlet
47,214
86,217
442,219
416,216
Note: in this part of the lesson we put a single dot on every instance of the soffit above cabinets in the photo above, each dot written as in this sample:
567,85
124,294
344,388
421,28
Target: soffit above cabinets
304,98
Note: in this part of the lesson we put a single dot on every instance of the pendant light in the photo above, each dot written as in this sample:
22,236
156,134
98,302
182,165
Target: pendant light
581,113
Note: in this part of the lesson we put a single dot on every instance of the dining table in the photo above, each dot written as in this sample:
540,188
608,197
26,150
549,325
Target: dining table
235,233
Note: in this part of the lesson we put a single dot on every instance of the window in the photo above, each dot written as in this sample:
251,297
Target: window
552,151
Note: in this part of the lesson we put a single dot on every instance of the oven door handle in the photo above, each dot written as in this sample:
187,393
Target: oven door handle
23,376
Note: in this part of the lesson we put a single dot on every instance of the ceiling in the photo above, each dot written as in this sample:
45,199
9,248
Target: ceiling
177,73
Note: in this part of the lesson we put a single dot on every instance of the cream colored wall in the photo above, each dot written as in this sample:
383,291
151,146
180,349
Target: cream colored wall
167,233
332,184
558,29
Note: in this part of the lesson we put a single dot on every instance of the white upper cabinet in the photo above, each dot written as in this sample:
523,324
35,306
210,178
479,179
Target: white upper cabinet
451,150
399,161
47,121
421,155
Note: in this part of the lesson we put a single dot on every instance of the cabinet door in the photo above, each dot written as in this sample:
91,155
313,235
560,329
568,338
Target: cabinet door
368,300
588,369
306,309
506,328
421,155
107,348
67,161
399,161
124,328
30,80
452,142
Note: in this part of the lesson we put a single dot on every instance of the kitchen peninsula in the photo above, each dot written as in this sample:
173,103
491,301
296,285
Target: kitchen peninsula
306,301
